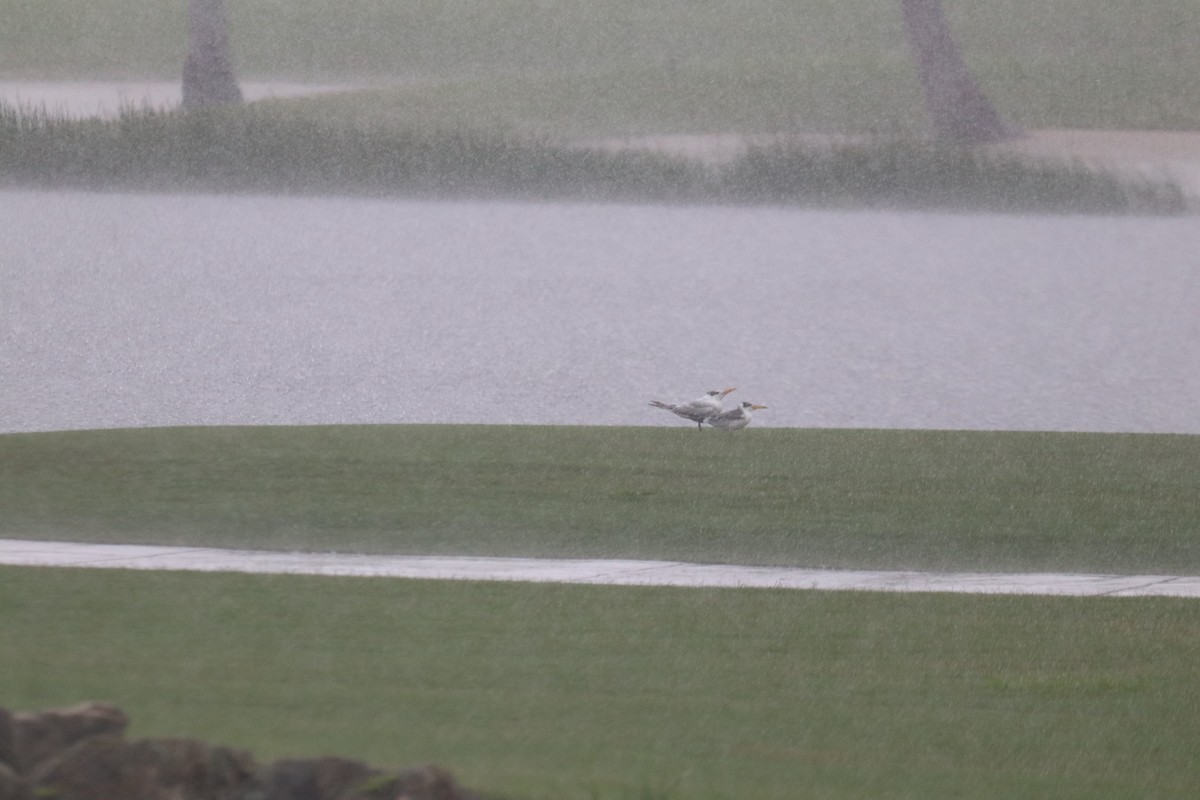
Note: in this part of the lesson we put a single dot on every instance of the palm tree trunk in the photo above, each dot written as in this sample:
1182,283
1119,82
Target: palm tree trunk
957,107
208,71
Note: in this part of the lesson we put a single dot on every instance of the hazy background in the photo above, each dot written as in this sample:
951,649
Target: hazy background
129,310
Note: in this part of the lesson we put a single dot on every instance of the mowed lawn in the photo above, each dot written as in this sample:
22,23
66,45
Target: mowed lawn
539,691
937,500
544,691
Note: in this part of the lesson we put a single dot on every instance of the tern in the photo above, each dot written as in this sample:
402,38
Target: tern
699,409
735,418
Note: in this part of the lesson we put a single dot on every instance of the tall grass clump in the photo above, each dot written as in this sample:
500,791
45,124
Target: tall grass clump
262,148
256,149
914,174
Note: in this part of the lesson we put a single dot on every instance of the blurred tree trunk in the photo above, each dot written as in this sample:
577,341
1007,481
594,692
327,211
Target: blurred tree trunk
208,71
957,107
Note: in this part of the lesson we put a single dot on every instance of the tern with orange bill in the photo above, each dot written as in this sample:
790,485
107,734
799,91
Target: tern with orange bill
698,410
735,418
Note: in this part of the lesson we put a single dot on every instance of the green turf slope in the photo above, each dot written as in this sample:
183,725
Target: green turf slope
940,500
618,693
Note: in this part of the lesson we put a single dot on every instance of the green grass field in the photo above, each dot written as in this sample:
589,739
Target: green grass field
568,692
542,691
622,66
609,693
832,498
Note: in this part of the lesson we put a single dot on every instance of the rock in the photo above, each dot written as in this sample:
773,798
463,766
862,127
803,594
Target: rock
81,753
37,736
108,767
314,778
8,744
12,785
343,779
423,783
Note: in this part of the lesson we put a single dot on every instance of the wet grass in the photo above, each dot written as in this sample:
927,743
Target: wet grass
259,149
473,100
752,66
275,149
566,692
922,175
939,500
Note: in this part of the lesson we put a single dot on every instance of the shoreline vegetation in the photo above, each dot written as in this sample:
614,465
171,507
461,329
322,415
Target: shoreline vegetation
274,148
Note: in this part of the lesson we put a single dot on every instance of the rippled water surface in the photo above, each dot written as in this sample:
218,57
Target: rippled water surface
131,310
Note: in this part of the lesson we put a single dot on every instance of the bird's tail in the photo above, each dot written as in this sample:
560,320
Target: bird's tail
661,404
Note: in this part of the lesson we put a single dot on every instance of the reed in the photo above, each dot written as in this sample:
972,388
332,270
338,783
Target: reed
264,148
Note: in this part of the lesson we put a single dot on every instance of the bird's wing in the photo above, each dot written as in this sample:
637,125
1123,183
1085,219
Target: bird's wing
697,409
728,419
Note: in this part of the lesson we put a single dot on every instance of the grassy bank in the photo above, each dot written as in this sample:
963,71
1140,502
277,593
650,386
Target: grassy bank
474,100
753,66
836,498
257,149
266,148
615,693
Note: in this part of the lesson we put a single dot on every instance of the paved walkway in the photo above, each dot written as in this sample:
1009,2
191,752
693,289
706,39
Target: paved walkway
652,573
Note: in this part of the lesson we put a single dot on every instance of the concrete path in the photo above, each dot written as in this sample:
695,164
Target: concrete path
653,573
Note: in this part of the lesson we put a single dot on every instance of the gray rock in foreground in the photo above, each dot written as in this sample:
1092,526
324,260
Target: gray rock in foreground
81,753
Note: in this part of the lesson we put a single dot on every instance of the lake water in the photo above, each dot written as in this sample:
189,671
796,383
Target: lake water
106,99
134,310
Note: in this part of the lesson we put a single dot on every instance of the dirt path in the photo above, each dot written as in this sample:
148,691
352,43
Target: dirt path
612,572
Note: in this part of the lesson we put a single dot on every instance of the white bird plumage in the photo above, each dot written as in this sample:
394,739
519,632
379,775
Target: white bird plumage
698,410
735,418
